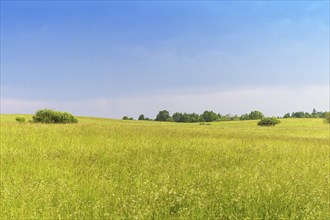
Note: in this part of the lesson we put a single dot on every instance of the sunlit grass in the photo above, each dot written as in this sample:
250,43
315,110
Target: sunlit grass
102,168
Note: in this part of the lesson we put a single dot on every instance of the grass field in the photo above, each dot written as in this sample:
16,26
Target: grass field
112,169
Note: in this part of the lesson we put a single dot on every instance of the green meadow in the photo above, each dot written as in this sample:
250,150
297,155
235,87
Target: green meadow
114,169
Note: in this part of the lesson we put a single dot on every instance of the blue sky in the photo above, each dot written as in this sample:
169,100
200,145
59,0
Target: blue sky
127,58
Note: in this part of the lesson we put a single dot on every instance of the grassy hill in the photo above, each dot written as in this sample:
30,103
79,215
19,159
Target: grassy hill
113,169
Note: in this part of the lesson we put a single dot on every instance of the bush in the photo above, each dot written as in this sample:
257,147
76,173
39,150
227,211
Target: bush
51,116
20,119
127,118
269,122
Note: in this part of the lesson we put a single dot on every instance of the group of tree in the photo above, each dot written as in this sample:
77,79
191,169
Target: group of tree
254,115
141,118
301,114
210,116
206,116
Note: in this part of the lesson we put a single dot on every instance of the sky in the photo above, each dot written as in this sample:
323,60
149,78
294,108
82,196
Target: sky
110,59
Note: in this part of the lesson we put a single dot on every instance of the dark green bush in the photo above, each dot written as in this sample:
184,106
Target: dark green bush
20,119
269,122
51,116
127,118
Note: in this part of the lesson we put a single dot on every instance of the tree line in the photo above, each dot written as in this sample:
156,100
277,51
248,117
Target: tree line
206,116
313,114
210,116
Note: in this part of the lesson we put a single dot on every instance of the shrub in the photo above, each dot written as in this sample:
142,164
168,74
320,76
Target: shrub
127,118
269,122
20,119
204,123
51,116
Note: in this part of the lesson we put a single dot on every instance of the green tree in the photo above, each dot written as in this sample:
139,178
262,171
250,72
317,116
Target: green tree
177,117
141,117
254,115
245,117
209,116
314,111
287,115
163,115
193,117
298,115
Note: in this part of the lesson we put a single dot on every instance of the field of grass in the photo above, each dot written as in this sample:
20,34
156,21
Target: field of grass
113,169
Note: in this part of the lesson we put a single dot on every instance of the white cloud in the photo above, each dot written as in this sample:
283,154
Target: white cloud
271,100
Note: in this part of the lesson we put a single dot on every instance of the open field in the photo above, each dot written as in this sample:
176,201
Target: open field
111,169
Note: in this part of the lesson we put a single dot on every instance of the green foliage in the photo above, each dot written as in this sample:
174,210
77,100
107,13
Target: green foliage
170,119
269,122
287,115
141,117
228,117
51,116
204,123
255,115
327,117
163,115
20,119
301,114
127,118
209,116
245,117
185,117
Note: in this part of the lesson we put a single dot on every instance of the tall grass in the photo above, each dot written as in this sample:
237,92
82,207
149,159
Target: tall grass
108,169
